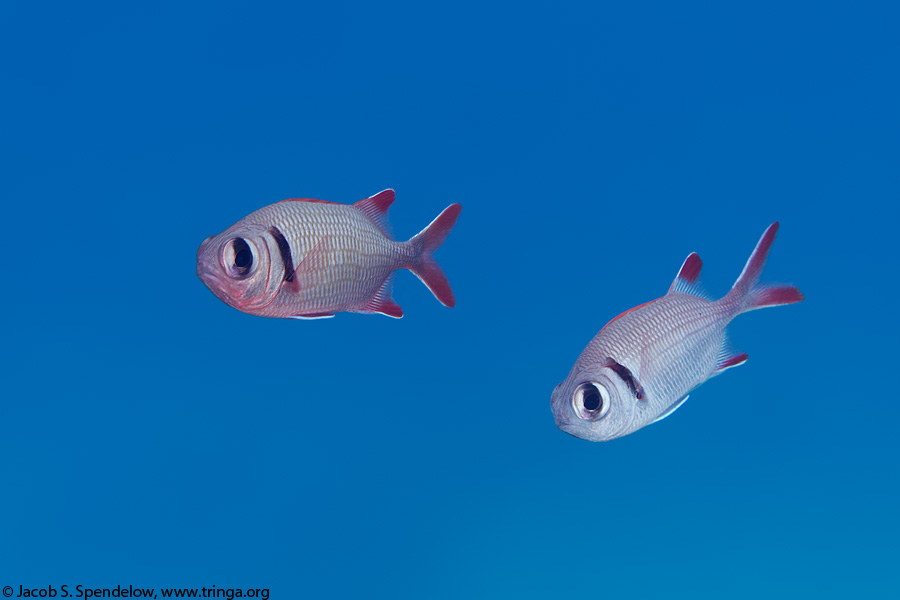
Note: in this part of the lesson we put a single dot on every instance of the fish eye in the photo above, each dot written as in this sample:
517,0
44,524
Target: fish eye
238,258
591,401
242,256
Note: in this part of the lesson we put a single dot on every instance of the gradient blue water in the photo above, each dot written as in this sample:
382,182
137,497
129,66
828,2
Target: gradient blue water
152,435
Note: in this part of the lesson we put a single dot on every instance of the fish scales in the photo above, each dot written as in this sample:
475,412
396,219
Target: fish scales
311,259
358,262
670,344
641,366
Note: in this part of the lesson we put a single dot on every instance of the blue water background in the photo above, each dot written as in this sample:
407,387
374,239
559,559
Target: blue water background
151,435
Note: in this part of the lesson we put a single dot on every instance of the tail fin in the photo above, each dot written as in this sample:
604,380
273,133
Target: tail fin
427,242
748,293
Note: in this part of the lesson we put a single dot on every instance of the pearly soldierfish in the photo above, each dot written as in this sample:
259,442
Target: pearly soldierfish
310,259
641,366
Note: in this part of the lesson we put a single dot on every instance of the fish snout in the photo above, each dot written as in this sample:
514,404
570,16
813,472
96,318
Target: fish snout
207,262
203,247
206,257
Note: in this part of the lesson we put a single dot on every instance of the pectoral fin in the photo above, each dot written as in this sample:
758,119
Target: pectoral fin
314,262
672,409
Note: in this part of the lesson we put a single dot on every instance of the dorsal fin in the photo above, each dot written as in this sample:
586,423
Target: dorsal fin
688,279
306,200
620,315
376,208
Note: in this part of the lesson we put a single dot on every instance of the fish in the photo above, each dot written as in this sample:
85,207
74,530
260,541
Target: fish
641,367
309,259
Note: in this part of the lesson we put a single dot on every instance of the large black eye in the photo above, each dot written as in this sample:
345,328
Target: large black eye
238,258
243,258
591,401
591,398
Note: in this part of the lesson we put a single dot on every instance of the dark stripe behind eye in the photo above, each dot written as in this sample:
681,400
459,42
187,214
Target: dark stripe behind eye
285,250
626,375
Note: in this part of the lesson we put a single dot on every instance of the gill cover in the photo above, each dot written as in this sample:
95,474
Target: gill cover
596,403
243,266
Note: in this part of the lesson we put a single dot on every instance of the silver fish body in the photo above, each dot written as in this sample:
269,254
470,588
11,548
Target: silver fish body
312,259
643,364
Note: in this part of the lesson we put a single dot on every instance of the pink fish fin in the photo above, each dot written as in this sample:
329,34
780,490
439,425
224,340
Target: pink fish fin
426,242
727,359
620,315
309,269
672,408
688,279
306,200
748,293
376,208
312,316
762,296
382,302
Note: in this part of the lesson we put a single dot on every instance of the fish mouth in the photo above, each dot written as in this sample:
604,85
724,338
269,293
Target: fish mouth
586,433
208,274
582,433
571,427
211,281
582,430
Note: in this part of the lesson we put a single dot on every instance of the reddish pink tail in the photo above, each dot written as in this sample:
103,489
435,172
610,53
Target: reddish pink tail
427,242
748,293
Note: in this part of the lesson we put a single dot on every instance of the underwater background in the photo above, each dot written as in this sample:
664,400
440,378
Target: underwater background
151,435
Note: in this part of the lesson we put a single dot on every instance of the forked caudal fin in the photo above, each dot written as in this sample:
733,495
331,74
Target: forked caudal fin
749,293
426,242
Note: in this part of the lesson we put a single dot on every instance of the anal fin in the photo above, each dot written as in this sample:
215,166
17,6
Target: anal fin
382,302
312,316
726,361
